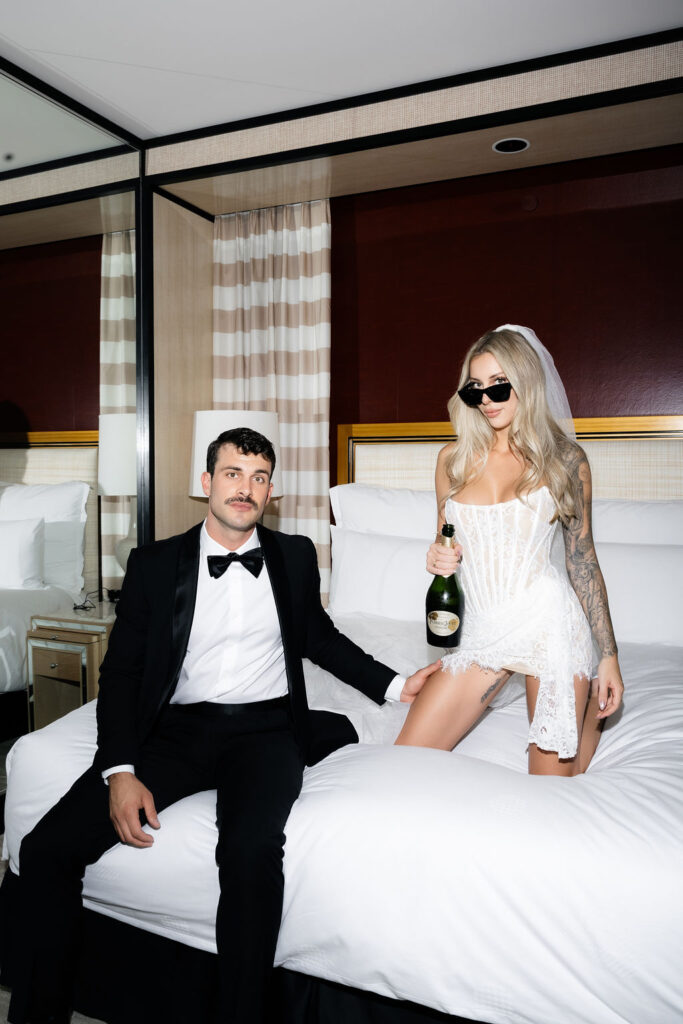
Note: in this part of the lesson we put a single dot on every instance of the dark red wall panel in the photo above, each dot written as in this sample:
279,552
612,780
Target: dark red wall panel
50,312
586,253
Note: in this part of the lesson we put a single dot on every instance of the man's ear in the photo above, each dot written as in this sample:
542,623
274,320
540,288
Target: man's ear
206,483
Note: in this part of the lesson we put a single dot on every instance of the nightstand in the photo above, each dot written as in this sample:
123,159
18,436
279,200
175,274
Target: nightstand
64,656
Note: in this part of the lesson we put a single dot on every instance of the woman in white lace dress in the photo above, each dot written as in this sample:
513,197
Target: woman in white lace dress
513,476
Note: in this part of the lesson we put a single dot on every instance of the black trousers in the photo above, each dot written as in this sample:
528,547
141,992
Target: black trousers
254,763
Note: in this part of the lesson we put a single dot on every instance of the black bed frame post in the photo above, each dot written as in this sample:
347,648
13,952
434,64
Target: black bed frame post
144,352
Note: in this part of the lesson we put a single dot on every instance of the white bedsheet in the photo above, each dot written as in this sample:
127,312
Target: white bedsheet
454,880
16,609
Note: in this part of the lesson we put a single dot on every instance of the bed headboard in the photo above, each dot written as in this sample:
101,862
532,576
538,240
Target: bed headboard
631,457
53,457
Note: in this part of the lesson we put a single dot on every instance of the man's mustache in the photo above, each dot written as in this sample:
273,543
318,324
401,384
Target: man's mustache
241,501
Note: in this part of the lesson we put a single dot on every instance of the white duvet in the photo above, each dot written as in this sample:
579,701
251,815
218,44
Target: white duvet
453,880
16,609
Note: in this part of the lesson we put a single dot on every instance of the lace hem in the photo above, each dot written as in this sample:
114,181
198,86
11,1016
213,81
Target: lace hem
554,723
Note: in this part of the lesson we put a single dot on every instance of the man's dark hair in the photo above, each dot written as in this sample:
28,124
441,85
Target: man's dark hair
247,441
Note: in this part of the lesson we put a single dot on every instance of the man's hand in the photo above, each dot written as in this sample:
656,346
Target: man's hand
414,683
127,797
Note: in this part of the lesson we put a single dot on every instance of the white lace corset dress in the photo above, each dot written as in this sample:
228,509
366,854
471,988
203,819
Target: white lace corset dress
521,613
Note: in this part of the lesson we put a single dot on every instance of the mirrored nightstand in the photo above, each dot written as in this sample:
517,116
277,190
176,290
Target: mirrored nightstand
64,655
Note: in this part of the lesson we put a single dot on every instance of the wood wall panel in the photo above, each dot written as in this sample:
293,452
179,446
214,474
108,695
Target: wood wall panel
643,124
71,220
50,302
183,356
586,253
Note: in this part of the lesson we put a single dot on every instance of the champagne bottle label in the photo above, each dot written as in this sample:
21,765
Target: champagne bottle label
442,623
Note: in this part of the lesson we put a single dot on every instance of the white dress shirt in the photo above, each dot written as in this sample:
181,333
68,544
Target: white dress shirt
234,653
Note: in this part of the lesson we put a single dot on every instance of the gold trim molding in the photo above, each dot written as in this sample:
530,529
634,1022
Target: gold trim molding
608,427
629,426
51,439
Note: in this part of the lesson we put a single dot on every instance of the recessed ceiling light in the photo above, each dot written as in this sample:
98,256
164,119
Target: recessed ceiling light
510,145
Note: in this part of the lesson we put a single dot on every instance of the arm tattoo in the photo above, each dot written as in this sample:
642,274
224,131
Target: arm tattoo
581,560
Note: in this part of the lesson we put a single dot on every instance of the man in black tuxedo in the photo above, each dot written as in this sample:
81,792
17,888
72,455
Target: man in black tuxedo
202,687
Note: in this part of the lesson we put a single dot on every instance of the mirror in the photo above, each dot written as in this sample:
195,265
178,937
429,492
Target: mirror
67,287
36,130
67,290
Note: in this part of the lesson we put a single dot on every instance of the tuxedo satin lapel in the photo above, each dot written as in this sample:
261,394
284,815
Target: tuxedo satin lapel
275,564
184,599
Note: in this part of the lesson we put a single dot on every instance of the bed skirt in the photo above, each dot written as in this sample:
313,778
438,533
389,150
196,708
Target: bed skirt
129,976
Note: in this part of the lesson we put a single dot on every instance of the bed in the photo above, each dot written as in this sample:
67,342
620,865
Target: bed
422,885
48,547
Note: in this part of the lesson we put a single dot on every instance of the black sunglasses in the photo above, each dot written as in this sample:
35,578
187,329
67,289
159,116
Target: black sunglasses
474,396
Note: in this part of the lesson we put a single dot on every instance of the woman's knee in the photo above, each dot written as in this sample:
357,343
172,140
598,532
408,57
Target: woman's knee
448,705
546,762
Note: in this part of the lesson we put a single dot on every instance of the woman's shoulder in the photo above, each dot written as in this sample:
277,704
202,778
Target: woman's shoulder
442,476
442,464
446,452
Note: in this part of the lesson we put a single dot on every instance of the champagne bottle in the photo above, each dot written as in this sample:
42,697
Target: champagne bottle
445,603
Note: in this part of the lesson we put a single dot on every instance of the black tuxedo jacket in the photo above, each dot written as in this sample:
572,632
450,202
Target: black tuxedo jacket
153,620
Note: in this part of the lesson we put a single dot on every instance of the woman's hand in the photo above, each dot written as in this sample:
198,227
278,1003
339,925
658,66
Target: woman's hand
443,561
610,686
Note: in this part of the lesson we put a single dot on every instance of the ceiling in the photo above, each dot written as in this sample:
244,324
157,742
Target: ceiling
155,68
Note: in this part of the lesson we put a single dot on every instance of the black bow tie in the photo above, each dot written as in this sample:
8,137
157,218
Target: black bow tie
251,560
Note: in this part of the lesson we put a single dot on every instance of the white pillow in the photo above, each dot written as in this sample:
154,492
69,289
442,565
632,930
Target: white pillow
62,506
21,554
637,522
378,575
63,559
645,591
381,575
52,502
401,513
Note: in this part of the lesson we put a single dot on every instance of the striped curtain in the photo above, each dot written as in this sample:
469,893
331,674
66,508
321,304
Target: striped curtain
272,349
117,374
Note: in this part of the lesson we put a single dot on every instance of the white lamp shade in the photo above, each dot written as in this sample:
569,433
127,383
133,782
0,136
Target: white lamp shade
117,471
208,424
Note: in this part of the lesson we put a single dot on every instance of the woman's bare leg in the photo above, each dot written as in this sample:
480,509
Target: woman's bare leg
592,729
448,705
546,762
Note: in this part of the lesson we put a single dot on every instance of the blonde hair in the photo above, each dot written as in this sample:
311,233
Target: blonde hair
534,435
